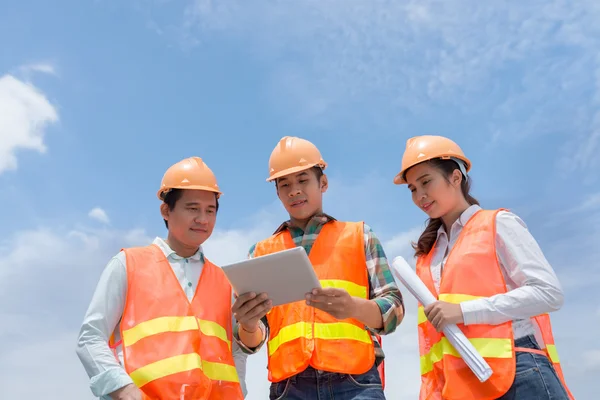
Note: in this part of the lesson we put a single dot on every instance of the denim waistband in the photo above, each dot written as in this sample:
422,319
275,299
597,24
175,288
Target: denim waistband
528,342
311,373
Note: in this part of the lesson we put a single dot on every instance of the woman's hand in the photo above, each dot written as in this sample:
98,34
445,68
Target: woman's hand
442,313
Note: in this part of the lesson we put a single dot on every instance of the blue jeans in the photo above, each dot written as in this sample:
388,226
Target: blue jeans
312,384
535,377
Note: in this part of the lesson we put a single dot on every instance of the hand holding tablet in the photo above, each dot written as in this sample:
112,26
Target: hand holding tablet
284,277
281,278
249,308
334,301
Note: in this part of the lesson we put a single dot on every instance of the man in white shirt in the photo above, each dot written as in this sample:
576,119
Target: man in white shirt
190,194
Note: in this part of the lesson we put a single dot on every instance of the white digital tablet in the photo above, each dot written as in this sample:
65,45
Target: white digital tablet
285,276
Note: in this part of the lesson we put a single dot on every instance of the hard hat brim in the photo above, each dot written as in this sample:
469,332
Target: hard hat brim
294,170
190,187
399,179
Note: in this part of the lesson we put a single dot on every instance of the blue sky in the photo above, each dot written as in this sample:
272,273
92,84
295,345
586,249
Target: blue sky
98,98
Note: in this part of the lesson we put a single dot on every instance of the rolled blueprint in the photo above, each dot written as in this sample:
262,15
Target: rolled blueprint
455,336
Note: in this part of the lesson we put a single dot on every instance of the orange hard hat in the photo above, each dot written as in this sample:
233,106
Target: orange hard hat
428,147
189,173
291,155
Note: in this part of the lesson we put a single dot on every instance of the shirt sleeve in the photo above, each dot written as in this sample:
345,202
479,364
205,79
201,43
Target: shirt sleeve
104,312
240,358
263,326
536,289
382,285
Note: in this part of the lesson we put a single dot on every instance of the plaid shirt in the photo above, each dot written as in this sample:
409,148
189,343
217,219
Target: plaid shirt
382,286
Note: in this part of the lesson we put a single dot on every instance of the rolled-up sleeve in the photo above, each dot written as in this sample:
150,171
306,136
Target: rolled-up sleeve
104,312
382,285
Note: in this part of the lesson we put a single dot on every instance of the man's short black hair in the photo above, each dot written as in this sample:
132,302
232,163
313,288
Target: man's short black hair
173,196
318,171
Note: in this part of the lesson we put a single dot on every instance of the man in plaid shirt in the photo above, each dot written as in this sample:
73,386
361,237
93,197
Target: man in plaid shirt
297,168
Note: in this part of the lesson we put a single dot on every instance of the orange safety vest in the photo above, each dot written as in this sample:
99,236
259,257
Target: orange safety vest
472,271
301,335
174,349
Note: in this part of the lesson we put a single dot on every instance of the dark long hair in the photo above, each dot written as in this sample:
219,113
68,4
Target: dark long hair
429,235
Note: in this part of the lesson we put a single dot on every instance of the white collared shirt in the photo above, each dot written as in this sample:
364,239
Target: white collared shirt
532,285
105,311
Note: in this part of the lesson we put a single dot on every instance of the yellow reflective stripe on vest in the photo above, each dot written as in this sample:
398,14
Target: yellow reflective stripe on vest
457,298
326,331
289,333
156,326
487,347
173,324
352,288
450,298
341,331
220,372
183,363
210,328
553,353
421,317
166,367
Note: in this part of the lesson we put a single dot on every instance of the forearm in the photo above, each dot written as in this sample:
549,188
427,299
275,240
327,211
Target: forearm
383,289
249,346
521,303
392,313
251,338
368,312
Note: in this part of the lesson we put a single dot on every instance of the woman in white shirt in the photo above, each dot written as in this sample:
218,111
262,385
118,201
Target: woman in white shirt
490,277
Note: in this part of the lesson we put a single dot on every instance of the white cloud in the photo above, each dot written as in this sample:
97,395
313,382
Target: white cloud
526,69
401,244
52,360
591,203
39,67
47,276
26,114
99,215
60,252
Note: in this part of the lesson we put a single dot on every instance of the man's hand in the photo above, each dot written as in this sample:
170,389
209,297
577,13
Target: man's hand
129,392
334,301
249,308
442,313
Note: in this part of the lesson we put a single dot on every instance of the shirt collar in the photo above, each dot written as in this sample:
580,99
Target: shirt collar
321,218
170,253
463,219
